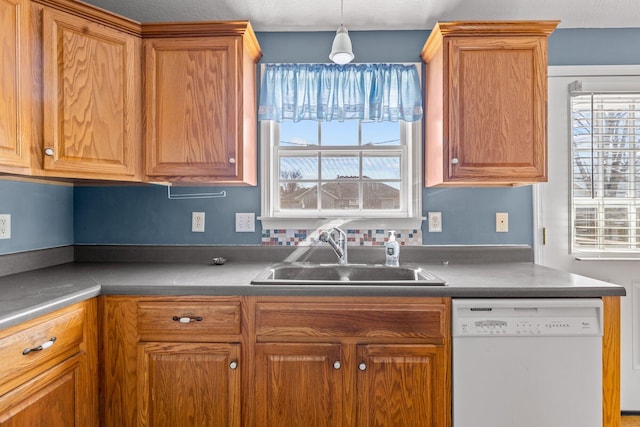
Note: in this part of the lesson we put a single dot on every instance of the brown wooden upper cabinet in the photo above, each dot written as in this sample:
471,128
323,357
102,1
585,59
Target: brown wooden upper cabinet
200,102
15,86
486,103
92,102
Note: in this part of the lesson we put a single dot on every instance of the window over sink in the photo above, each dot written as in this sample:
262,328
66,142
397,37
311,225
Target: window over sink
350,153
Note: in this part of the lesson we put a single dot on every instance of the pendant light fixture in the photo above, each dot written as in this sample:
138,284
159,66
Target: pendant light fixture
341,50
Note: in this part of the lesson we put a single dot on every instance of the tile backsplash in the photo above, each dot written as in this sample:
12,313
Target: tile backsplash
281,237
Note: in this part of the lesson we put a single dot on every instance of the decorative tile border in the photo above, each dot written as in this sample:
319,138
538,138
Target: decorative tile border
281,237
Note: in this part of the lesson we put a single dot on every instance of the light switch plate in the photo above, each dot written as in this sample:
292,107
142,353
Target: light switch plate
245,222
5,226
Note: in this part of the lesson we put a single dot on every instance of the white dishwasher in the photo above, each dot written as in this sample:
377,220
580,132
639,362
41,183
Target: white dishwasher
527,362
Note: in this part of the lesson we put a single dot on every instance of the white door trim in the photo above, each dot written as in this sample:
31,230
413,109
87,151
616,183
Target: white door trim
551,210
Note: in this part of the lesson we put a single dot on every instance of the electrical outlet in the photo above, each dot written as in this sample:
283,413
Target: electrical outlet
197,222
435,222
245,222
5,226
502,222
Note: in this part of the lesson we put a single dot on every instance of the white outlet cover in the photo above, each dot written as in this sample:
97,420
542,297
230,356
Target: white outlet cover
435,222
197,222
5,226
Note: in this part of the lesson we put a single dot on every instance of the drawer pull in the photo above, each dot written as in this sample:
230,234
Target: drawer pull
43,346
362,366
49,152
233,365
187,319
337,365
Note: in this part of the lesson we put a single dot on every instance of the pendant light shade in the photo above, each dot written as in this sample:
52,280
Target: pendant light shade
341,50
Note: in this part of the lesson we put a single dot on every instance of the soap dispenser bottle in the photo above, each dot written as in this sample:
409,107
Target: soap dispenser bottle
392,251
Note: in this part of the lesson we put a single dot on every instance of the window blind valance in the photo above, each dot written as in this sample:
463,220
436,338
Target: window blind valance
327,92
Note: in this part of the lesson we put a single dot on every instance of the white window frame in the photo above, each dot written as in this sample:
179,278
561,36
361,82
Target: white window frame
600,204
552,228
411,218
360,151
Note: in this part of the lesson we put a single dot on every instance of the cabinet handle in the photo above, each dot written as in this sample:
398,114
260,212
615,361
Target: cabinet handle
43,346
337,364
232,160
187,319
454,161
48,152
233,365
362,366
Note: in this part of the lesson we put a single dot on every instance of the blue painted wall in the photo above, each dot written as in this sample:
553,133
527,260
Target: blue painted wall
41,215
598,46
144,215
49,215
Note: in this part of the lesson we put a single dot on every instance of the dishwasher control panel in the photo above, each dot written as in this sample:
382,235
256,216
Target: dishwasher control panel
526,326
561,318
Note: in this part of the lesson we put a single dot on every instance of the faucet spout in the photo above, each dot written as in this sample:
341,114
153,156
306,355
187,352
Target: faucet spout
339,246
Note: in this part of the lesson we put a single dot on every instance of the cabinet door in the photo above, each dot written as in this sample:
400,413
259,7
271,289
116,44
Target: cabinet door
402,385
498,100
91,99
49,400
299,385
185,385
193,105
14,85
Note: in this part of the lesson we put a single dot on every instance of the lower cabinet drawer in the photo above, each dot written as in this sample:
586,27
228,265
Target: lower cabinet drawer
370,320
188,321
29,351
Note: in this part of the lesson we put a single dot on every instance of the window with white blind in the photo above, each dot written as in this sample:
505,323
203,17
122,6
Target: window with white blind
605,148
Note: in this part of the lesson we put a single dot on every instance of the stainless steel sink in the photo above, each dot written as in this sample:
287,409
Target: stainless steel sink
349,274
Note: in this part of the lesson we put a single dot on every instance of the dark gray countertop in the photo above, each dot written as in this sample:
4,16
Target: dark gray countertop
31,294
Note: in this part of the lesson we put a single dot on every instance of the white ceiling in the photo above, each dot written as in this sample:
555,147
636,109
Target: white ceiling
324,15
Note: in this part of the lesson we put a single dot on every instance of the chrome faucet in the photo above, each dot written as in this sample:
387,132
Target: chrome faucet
339,247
